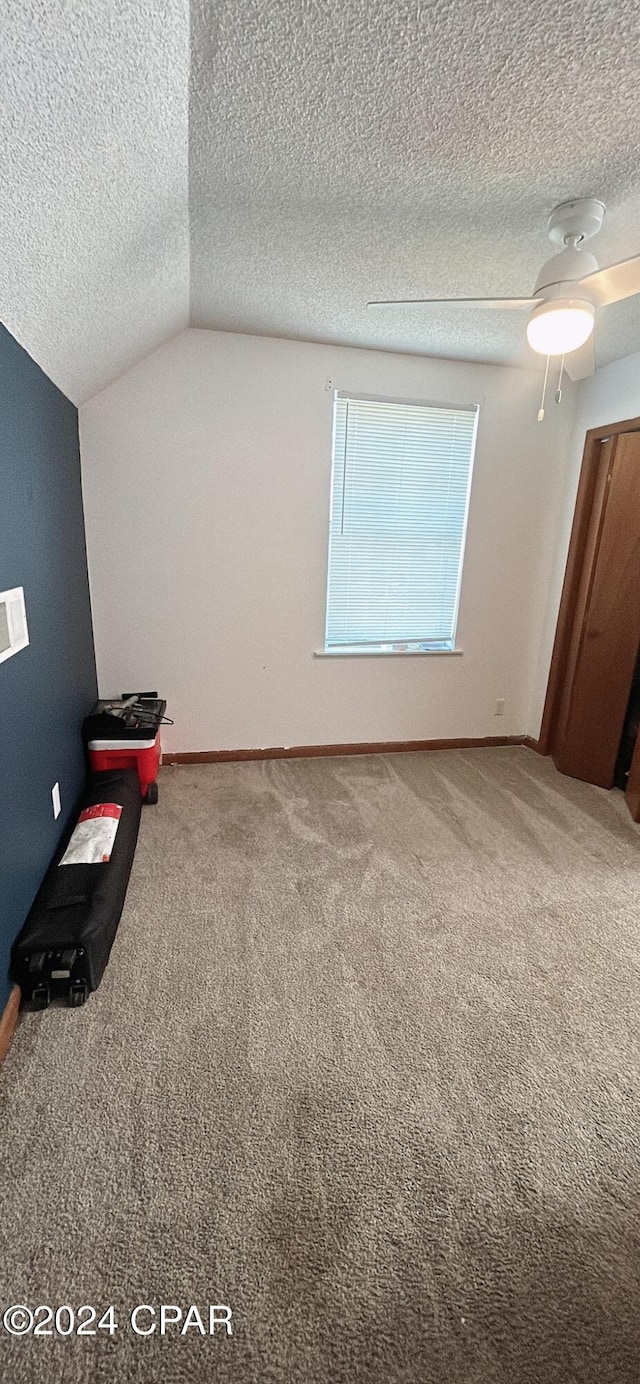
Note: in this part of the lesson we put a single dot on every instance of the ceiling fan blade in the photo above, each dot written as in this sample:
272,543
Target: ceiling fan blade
618,281
582,363
498,303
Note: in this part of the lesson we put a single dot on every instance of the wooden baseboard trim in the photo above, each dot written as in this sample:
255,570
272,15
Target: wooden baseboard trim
8,1020
532,744
320,751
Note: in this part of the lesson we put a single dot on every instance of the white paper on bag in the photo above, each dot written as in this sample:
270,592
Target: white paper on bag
93,835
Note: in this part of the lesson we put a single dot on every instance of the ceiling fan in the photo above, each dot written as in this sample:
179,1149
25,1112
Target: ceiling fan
568,289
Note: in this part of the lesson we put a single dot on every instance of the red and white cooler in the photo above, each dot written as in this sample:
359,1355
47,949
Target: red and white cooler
124,733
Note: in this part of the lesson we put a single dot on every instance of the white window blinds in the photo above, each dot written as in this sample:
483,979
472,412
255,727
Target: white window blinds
399,495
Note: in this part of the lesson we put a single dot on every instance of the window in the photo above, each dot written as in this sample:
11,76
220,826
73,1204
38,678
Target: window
399,495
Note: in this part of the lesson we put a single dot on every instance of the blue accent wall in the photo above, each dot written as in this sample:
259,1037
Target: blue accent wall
47,688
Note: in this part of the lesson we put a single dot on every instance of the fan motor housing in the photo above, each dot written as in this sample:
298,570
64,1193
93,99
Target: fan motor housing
569,266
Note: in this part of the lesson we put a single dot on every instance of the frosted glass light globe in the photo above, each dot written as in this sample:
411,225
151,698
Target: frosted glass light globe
561,326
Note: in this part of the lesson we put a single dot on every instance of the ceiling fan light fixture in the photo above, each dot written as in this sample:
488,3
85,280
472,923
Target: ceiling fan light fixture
560,326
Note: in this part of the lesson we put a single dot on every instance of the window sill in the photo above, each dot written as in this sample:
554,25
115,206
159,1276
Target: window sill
387,653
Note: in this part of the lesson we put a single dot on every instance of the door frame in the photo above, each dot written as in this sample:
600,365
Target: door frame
573,572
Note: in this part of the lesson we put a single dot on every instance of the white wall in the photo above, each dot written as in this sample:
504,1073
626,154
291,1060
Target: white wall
206,484
611,395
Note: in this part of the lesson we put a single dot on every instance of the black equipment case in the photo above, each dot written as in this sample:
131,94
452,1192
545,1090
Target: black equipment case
65,943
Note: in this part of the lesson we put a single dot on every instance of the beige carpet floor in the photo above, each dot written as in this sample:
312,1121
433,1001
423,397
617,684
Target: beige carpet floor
364,1068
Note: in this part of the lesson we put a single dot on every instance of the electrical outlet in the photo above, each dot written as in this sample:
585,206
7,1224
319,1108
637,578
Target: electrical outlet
500,706
55,798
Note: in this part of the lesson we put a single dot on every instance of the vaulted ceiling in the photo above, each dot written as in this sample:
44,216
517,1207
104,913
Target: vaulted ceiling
269,165
94,225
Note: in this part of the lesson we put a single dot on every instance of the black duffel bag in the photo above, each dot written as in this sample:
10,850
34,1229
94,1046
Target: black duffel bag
65,943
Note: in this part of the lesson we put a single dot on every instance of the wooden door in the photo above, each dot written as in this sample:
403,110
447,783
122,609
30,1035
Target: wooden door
605,635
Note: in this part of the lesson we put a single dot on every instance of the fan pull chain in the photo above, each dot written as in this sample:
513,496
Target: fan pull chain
559,389
544,390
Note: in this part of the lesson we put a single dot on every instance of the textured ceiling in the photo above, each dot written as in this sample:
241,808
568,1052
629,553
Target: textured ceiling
322,153
381,149
94,229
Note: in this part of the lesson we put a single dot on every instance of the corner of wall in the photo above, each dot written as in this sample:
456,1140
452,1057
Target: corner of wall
557,518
